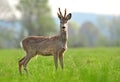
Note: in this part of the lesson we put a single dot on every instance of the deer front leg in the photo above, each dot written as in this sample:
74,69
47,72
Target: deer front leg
61,60
56,60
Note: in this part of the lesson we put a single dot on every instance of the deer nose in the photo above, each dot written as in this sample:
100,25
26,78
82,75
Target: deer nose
63,27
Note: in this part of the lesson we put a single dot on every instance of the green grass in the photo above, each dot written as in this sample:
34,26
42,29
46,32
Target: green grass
81,65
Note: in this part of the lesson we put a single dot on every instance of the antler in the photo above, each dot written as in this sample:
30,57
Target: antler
60,12
65,13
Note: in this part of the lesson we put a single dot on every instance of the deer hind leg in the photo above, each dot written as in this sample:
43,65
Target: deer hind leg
27,59
56,60
25,63
20,64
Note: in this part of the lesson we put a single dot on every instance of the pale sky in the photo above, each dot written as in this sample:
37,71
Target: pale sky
107,7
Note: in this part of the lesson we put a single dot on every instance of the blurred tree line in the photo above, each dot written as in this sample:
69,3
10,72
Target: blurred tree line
36,17
37,20
106,34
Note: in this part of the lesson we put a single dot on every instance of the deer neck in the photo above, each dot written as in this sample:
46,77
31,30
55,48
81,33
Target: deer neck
63,36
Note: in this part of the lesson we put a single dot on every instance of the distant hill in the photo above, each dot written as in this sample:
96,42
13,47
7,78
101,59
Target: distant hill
80,18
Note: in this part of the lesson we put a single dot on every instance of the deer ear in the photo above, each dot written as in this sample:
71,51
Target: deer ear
69,16
59,16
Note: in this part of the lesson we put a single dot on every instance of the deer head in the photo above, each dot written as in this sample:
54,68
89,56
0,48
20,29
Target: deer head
63,19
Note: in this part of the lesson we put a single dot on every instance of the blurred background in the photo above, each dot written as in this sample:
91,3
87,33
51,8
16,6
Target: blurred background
94,23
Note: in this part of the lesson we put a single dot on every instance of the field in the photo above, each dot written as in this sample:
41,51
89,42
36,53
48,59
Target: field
81,65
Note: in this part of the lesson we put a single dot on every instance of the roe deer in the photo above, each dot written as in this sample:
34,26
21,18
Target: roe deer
47,46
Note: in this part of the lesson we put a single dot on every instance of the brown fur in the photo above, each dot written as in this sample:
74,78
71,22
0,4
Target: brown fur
47,46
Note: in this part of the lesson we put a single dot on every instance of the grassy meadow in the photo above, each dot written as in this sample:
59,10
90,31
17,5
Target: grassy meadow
81,65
